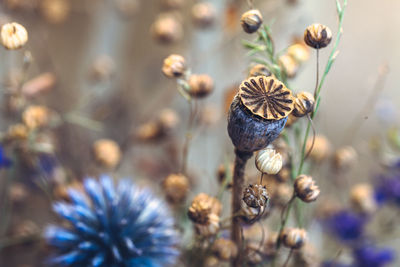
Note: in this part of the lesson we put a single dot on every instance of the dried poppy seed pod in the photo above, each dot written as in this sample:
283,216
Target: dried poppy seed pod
362,198
174,66
200,85
269,161
345,157
13,36
305,188
293,238
255,196
251,20
224,249
107,153
36,116
176,187
203,14
258,113
259,70
317,36
167,29
303,104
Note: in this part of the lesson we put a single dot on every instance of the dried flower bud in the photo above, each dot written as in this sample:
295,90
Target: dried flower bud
203,14
167,29
251,20
321,149
299,52
268,161
225,249
174,66
107,153
102,68
17,193
317,36
345,157
303,104
168,119
200,85
36,116
255,196
55,11
40,84
148,131
202,206
13,35
211,228
176,187
305,188
259,70
258,113
289,65
17,131
362,198
293,238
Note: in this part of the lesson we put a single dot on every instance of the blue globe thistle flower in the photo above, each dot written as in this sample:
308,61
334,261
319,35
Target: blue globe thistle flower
370,256
113,227
346,225
388,190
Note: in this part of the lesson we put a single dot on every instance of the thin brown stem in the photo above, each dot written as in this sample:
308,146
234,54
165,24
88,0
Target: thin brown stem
313,136
188,136
288,258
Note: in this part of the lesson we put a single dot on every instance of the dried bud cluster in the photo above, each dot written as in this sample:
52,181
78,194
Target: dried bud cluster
204,212
174,66
259,70
303,104
362,198
269,161
293,238
203,14
13,35
224,249
200,85
251,20
176,187
107,153
255,196
305,188
317,36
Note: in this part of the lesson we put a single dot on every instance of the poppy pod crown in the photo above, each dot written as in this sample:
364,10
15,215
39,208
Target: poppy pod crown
259,112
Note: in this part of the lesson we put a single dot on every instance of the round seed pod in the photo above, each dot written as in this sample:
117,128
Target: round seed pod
167,29
200,85
362,198
211,228
55,11
321,149
317,36
258,113
224,249
168,119
303,104
202,206
259,70
176,187
13,36
299,52
268,161
305,188
255,196
345,158
251,20
203,14
174,66
289,65
107,153
293,238
36,116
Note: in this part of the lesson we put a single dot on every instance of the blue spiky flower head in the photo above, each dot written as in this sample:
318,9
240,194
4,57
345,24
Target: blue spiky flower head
111,226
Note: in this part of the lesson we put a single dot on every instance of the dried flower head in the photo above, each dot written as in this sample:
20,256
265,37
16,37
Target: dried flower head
362,198
269,161
259,70
204,202
305,188
107,153
224,249
251,20
36,116
303,104
211,228
55,11
345,157
13,35
17,131
266,97
299,52
293,238
174,66
167,29
289,65
321,149
176,187
203,14
201,85
255,196
317,36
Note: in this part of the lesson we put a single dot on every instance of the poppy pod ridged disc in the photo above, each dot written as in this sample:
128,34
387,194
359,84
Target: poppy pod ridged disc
259,112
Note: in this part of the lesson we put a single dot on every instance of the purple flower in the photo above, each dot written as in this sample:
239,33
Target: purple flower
370,256
346,225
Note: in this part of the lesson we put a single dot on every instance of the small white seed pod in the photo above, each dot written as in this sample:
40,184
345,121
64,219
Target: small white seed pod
13,35
269,161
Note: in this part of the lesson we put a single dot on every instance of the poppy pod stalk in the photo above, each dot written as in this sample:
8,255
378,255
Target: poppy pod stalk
256,117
